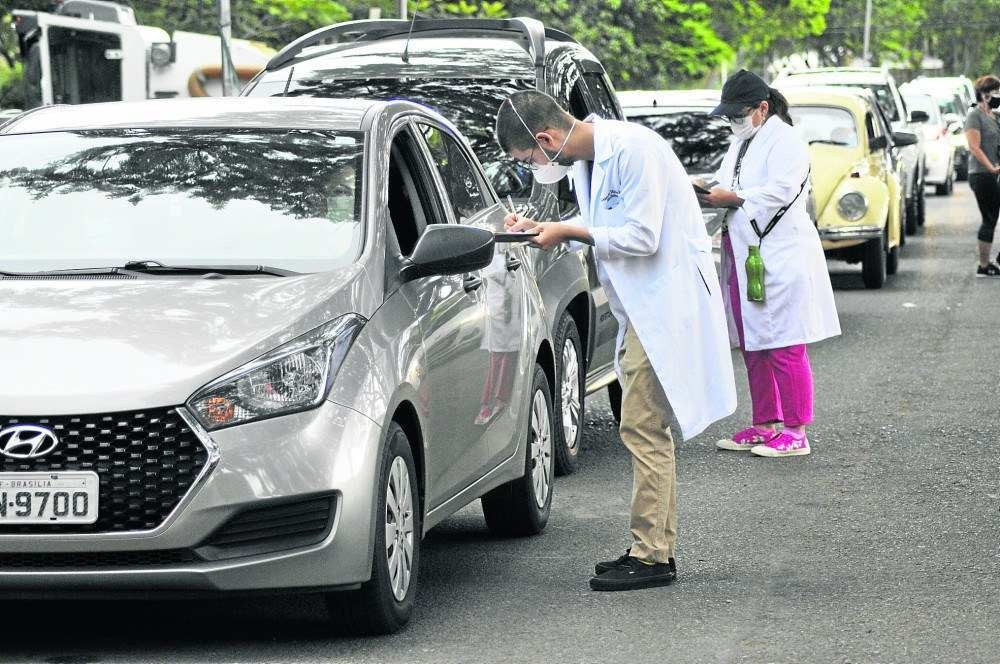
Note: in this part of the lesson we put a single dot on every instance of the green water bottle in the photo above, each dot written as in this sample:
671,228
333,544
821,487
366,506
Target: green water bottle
755,275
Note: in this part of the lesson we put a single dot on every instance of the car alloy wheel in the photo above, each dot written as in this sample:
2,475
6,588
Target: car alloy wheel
568,409
399,528
570,392
541,449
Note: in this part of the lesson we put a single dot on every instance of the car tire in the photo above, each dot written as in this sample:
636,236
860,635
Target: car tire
615,399
568,406
873,263
912,214
384,603
946,188
891,258
921,206
521,507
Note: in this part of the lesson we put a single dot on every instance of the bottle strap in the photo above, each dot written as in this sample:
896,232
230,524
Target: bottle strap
779,214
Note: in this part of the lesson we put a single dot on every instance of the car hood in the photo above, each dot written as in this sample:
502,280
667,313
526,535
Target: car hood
75,346
830,165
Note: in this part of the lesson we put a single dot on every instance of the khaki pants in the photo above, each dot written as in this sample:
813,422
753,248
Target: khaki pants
645,430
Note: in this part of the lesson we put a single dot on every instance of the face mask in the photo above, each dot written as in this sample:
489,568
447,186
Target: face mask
553,171
994,102
743,128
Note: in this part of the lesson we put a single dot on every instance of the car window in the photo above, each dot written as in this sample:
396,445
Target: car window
601,95
413,199
457,172
471,104
871,128
86,199
883,94
825,124
926,104
699,140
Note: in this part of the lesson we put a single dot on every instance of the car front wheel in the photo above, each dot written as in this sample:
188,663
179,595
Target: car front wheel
521,507
569,398
873,263
384,603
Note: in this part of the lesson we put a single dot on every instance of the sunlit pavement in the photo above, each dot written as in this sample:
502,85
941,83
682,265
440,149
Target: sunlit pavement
882,546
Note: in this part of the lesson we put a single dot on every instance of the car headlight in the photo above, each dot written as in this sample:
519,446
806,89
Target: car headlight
293,377
852,206
162,54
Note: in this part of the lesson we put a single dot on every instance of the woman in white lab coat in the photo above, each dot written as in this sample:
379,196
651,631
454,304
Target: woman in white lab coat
764,178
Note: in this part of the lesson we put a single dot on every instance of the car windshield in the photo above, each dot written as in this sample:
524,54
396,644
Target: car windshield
825,124
85,199
883,94
471,104
699,140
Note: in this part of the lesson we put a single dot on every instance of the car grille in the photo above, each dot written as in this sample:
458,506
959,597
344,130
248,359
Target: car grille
146,461
96,559
285,524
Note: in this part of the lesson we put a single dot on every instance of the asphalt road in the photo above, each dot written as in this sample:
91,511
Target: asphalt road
881,546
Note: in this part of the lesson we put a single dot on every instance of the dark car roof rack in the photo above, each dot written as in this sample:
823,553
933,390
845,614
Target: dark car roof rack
352,32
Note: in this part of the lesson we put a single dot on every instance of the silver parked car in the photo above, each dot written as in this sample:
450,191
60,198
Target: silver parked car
247,345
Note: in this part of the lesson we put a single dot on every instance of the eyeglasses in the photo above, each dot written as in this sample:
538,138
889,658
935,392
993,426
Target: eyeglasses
529,163
743,116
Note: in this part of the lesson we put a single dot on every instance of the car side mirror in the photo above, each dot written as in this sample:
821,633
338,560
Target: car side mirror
903,138
446,249
879,143
919,116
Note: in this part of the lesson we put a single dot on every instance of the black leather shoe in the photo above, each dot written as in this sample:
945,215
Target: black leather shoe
608,565
634,574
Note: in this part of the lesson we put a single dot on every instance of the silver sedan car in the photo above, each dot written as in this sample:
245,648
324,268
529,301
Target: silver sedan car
247,345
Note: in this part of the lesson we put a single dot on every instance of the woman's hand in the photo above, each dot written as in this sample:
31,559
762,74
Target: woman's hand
720,197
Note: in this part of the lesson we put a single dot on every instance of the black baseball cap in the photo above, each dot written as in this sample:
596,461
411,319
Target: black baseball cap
744,88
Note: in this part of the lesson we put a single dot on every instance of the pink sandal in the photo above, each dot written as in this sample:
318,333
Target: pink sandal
744,441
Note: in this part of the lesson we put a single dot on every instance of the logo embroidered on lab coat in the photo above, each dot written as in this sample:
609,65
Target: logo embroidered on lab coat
612,199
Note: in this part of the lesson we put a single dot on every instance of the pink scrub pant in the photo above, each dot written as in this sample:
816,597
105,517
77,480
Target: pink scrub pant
781,382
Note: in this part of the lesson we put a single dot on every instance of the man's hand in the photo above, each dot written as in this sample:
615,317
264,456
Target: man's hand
720,197
551,233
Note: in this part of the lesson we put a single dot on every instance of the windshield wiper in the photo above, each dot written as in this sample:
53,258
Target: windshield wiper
825,141
157,268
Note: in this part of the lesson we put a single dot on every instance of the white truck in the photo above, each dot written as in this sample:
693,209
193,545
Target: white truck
93,51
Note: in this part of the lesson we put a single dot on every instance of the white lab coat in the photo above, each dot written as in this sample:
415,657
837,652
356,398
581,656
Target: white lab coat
798,306
655,260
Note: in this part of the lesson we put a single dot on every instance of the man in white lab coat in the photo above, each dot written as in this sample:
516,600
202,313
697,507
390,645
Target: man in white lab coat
655,262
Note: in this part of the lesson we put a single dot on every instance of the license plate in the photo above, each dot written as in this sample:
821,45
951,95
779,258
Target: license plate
48,497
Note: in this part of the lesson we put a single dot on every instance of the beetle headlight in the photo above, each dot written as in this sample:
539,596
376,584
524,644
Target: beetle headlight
294,377
852,206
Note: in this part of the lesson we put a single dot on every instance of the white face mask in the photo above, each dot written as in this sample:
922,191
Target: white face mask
743,127
552,172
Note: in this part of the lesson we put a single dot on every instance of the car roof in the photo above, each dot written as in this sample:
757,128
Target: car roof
853,99
653,99
208,112
836,74
428,56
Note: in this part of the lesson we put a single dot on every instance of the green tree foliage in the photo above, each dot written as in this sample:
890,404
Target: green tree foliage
895,35
762,30
642,43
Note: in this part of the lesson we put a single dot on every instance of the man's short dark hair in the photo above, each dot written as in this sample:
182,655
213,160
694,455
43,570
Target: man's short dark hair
538,111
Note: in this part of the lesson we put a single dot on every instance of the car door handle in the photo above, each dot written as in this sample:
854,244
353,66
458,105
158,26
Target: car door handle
512,264
472,283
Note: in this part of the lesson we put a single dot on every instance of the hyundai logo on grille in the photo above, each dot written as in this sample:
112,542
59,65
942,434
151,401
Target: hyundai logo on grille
26,442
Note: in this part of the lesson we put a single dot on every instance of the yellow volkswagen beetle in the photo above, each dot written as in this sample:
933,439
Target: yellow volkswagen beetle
857,195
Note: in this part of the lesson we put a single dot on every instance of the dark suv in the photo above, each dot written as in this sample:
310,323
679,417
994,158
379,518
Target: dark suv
464,69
